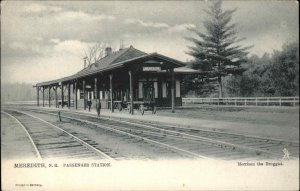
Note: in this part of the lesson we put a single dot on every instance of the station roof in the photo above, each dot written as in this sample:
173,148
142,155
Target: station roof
187,70
113,61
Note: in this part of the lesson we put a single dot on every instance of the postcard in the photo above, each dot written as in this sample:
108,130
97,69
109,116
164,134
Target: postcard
149,95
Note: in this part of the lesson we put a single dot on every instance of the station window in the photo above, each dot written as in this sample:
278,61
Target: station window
106,94
101,95
78,94
177,88
81,94
91,95
164,89
140,89
155,90
125,96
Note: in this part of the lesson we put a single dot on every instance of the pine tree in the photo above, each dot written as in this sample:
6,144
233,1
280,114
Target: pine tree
217,51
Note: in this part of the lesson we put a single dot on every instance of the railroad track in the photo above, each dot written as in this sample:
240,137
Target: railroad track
50,141
137,139
265,145
200,142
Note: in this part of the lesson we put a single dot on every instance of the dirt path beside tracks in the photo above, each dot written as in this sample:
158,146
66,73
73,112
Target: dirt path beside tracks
14,141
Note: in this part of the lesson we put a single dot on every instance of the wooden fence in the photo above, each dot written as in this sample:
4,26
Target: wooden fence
245,101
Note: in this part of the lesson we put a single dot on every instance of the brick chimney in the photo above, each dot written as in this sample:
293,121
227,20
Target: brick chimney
108,51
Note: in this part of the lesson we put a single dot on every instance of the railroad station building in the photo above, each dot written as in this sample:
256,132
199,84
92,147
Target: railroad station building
126,79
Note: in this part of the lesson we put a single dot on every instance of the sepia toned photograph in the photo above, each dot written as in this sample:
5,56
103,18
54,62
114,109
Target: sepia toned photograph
150,95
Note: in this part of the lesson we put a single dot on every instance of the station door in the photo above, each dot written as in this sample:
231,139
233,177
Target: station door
148,91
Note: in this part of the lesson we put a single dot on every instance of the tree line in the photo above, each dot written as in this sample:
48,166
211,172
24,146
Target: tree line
17,92
270,75
274,74
224,65
225,68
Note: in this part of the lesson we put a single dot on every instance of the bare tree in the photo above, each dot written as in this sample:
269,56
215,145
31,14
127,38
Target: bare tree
95,52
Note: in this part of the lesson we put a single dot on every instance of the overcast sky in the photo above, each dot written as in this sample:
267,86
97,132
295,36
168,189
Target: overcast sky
42,41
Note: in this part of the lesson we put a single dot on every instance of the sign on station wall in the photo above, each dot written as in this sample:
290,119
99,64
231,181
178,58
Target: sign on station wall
151,68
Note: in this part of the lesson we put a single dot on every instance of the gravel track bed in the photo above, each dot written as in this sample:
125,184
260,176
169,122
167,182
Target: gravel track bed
119,146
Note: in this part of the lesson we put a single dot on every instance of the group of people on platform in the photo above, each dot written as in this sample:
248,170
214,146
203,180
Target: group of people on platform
98,106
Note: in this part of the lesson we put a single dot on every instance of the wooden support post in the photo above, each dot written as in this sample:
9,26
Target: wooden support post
172,90
38,95
49,98
84,97
56,103
111,92
131,92
73,90
69,96
43,97
75,99
256,101
96,90
103,91
62,95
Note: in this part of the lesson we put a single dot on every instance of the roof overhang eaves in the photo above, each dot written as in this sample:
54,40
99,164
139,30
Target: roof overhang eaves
47,83
177,62
114,66
55,82
181,72
111,67
184,72
76,76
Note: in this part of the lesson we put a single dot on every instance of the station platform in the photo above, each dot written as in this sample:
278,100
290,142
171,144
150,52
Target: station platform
275,131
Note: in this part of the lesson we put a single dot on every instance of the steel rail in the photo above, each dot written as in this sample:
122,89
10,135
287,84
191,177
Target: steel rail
176,149
98,152
234,134
193,137
184,128
37,152
188,136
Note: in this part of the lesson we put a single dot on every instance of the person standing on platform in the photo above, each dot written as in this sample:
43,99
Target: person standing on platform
89,103
98,107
